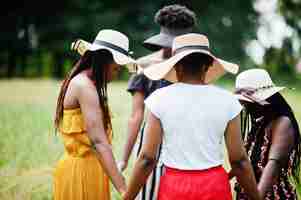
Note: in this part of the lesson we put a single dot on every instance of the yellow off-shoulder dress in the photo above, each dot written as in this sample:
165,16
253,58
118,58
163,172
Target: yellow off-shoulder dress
79,174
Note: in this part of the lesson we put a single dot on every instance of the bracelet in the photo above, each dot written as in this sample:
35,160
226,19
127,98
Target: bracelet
276,160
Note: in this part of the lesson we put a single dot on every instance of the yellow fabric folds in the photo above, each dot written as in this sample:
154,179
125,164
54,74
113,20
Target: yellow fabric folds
79,174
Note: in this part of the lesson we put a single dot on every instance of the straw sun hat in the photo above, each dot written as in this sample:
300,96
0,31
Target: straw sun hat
255,85
185,45
81,46
115,42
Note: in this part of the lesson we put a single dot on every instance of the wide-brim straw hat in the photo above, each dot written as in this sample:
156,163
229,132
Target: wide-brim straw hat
114,41
259,82
165,38
150,59
185,45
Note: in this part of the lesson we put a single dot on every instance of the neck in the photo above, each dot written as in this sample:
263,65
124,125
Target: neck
193,80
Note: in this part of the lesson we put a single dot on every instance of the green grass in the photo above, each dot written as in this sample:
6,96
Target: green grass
29,148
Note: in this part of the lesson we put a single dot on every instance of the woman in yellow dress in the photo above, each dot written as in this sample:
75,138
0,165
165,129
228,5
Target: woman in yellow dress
83,120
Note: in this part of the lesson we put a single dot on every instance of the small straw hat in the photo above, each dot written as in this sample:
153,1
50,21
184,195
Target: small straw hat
255,85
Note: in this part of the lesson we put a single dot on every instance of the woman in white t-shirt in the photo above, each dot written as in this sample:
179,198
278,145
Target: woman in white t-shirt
192,120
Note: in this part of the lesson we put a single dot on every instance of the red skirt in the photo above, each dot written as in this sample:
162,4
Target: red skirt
209,184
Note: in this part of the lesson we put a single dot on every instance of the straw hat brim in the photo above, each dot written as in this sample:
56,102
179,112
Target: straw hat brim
261,95
119,58
150,59
165,69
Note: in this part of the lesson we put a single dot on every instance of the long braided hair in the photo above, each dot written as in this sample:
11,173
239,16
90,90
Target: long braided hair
278,107
97,61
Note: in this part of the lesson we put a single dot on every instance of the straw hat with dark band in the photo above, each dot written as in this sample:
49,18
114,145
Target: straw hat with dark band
115,42
185,45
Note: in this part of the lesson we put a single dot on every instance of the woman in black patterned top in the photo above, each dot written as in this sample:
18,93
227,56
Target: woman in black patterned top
174,20
272,139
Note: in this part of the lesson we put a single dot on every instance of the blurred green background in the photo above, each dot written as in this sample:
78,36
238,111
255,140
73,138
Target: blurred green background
35,55
36,35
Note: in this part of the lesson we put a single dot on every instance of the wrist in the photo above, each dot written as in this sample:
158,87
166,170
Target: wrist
260,192
122,190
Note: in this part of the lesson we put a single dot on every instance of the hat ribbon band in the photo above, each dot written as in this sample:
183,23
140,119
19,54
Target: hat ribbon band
111,46
248,93
191,47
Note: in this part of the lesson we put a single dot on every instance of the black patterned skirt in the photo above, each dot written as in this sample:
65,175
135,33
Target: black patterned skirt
150,189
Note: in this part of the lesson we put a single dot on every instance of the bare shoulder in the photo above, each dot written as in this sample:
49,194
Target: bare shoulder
283,122
86,92
80,82
81,85
282,125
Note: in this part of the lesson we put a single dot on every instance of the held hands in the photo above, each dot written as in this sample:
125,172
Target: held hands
122,188
125,196
261,193
123,193
122,165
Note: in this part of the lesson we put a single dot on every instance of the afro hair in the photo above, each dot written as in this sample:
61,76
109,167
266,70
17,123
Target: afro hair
175,17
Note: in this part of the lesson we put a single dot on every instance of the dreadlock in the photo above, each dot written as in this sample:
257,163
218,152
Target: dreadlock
278,107
96,60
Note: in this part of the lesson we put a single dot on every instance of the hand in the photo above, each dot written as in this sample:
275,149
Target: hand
261,193
122,188
123,196
122,165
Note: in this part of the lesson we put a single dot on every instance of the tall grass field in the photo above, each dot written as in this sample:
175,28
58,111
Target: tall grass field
29,147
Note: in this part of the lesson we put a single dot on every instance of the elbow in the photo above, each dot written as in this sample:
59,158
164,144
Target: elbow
148,162
100,146
91,124
240,165
137,116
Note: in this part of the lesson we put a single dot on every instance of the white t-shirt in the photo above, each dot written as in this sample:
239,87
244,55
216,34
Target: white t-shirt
194,119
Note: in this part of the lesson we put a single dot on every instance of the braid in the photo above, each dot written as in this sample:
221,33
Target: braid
78,67
101,87
278,107
97,61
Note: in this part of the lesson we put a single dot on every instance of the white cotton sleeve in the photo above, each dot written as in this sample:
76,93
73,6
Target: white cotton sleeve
152,103
235,108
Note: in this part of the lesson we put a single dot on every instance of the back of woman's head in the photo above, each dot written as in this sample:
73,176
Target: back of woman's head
195,64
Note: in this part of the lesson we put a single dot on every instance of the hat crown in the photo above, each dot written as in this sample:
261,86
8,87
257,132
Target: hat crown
114,37
190,39
254,78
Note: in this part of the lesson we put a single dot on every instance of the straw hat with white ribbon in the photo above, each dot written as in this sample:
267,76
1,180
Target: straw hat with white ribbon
255,85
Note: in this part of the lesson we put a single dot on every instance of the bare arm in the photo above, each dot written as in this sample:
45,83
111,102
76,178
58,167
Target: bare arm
240,164
92,114
134,125
282,143
147,157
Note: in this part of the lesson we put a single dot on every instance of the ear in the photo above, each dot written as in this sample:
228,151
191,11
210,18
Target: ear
179,68
179,71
